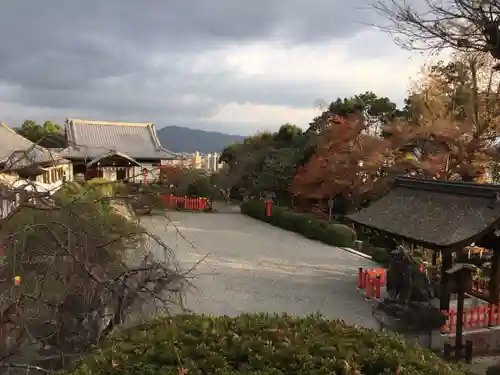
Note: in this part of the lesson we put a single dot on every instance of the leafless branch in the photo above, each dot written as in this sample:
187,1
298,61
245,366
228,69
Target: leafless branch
86,267
462,25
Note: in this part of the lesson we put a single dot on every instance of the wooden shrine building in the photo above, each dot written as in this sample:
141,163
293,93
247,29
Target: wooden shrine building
115,150
444,216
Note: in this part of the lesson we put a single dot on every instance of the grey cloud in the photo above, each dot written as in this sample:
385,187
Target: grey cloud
129,59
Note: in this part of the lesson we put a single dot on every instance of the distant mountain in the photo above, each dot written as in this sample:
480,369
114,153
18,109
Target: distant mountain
179,139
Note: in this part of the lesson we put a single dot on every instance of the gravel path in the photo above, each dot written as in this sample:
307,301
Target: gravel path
251,266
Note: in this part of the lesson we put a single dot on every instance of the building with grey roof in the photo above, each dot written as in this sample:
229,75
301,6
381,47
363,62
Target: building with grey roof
114,150
20,156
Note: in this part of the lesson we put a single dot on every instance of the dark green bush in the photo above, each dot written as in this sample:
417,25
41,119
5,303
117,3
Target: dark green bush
380,255
258,344
309,226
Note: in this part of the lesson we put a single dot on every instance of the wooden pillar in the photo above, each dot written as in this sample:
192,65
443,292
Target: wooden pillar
434,258
494,284
446,264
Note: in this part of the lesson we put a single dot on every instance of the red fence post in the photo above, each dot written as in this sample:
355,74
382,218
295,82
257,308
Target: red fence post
366,278
479,315
382,276
449,325
268,202
472,319
491,315
369,288
377,287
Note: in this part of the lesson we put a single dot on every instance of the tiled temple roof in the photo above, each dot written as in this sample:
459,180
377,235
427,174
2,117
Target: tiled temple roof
88,139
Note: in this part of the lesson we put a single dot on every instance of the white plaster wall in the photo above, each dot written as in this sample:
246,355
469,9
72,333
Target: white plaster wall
6,206
109,174
68,171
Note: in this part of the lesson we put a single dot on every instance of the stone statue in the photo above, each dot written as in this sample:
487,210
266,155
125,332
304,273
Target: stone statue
410,294
405,282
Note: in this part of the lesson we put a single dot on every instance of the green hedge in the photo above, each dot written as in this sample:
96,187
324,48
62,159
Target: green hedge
309,226
258,344
378,254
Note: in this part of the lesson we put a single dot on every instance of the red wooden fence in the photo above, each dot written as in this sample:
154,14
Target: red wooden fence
480,316
188,203
371,281
484,315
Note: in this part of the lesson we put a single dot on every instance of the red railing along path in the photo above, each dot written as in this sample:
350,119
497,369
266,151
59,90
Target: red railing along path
484,315
480,316
371,281
188,203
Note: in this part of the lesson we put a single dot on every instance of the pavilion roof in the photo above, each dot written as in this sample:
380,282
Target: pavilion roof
433,213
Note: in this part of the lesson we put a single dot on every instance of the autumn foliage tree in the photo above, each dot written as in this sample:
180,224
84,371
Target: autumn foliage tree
448,131
348,161
455,118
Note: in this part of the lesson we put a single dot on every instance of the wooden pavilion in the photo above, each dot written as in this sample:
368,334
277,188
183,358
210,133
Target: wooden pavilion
444,216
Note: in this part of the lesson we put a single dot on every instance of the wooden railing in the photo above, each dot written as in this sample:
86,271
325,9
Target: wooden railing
187,203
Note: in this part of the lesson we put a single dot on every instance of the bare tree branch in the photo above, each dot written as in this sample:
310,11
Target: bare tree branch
462,25
85,266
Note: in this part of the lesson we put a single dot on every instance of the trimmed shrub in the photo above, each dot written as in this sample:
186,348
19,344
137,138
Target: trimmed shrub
102,187
307,225
258,344
381,256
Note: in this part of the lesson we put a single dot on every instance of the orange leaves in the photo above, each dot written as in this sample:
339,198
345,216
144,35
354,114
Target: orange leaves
347,161
448,130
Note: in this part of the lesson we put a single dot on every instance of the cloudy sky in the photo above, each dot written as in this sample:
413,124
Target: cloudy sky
229,65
